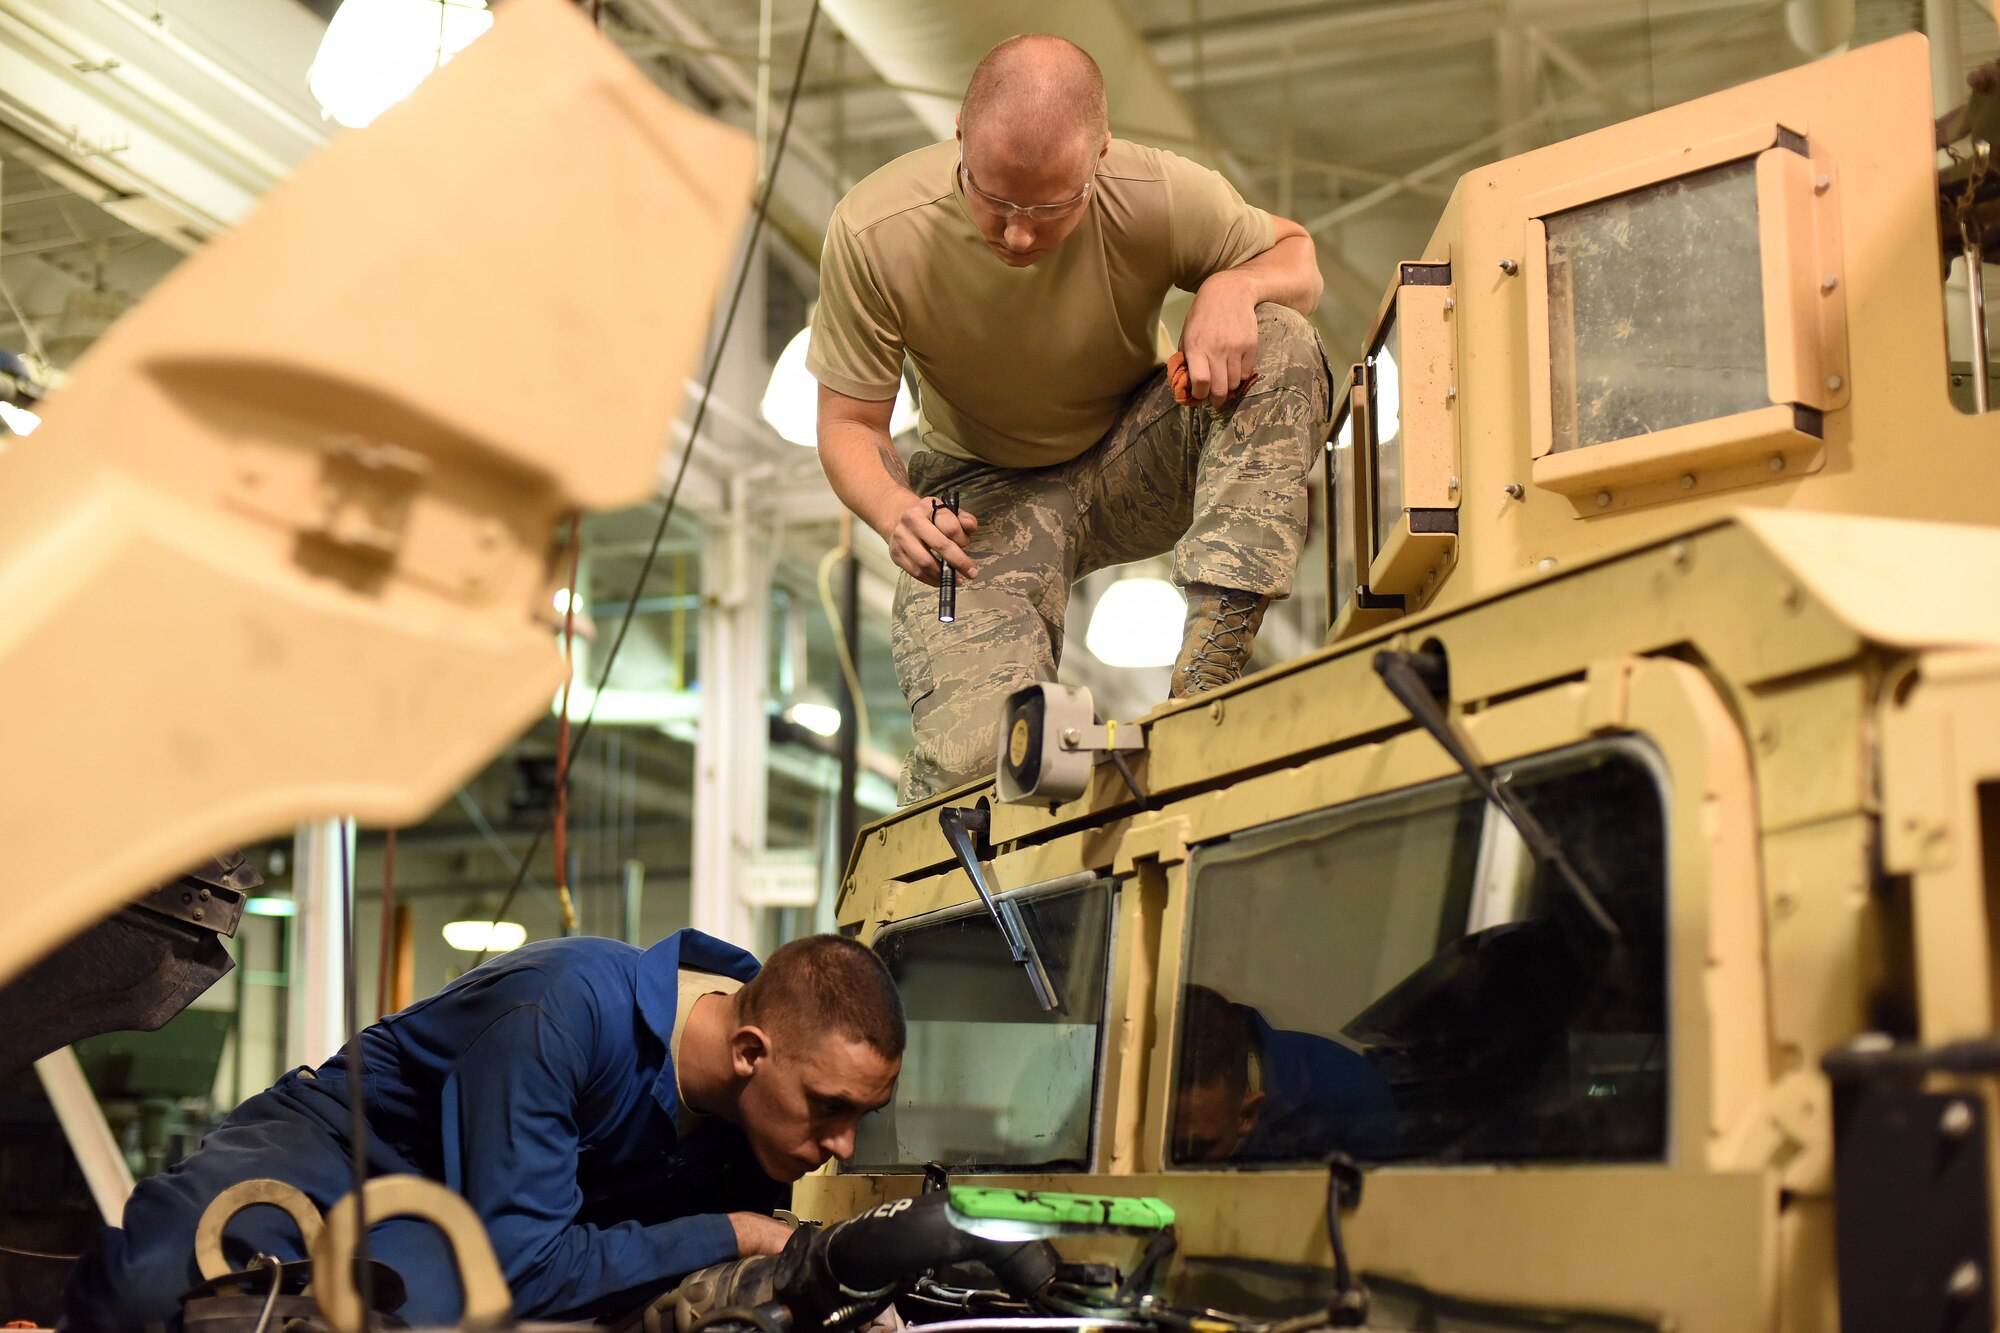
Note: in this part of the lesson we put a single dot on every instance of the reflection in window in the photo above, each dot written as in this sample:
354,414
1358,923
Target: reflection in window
1656,308
1399,980
989,1077
1339,487
1385,410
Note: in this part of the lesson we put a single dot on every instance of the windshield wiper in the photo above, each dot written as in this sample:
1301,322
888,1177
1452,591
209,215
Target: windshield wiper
1415,679
965,828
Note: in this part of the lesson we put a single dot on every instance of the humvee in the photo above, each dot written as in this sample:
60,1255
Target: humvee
1600,930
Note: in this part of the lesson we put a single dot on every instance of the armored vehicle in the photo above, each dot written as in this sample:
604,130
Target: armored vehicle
1600,930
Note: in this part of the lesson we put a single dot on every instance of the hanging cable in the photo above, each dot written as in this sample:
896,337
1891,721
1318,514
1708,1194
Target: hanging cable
757,220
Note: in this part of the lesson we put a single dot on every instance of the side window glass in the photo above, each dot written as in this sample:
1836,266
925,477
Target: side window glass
1399,980
1656,308
990,1078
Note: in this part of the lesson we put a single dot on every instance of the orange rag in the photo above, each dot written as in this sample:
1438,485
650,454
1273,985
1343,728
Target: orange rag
1178,377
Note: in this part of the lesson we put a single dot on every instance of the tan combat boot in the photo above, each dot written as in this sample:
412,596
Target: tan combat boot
1222,625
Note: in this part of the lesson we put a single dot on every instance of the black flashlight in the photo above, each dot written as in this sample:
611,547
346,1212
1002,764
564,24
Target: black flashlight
947,576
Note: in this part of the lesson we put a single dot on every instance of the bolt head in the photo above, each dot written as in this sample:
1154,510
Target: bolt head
1777,462
1828,283
1603,499
1956,1122
1510,266
1964,1282
1515,490
1687,481
1546,563
1822,183
1834,382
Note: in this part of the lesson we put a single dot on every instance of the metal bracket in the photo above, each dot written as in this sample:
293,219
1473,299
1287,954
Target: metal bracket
1912,1211
210,896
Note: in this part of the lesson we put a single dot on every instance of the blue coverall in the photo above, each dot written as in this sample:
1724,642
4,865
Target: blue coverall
1319,1095
538,1086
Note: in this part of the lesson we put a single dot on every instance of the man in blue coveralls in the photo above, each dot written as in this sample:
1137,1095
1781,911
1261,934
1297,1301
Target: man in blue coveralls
1246,1091
617,1118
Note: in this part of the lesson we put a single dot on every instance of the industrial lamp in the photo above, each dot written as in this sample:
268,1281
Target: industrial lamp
1137,623
478,932
376,52
791,399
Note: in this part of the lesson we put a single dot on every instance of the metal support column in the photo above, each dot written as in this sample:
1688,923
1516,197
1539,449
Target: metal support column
731,747
314,1024
1948,88
83,1124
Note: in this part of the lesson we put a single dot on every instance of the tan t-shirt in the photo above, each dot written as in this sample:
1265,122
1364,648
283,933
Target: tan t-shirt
694,984
1019,367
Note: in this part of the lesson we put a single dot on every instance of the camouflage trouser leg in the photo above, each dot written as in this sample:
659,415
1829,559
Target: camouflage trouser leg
1223,490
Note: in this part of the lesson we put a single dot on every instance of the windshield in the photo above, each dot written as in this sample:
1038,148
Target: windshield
1398,980
990,1079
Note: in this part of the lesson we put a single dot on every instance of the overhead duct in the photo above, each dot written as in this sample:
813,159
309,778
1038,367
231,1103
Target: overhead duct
1820,27
937,46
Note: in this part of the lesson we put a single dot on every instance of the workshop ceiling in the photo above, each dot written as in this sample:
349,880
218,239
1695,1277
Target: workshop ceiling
133,131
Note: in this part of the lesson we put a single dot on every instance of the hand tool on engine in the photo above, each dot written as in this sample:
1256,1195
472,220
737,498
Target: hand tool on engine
840,1277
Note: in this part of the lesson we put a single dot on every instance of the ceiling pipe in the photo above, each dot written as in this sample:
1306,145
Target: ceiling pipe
1819,27
937,46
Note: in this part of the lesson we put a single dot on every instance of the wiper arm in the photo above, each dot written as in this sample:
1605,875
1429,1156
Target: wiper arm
1404,674
965,828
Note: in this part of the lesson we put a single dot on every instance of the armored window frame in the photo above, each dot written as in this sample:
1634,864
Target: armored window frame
1407,556
1474,913
1349,512
1805,334
1085,882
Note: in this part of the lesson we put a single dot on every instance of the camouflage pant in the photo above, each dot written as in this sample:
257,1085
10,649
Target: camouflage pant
1224,490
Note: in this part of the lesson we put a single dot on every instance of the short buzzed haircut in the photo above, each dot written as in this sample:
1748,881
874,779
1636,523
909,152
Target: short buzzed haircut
1038,83
822,984
1215,1042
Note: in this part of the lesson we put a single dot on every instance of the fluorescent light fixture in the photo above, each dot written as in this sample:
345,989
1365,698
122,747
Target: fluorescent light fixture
820,719
270,907
1137,623
483,936
791,399
19,419
376,52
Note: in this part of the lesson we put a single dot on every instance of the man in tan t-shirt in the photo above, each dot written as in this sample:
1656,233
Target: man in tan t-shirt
1020,269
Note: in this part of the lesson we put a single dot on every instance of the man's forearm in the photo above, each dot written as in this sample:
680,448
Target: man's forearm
1287,274
866,472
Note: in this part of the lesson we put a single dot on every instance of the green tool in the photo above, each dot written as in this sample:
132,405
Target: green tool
1068,1212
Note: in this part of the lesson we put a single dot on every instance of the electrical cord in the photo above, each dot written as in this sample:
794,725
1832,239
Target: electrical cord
757,221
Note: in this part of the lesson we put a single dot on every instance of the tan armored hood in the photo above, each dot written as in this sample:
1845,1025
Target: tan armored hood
278,550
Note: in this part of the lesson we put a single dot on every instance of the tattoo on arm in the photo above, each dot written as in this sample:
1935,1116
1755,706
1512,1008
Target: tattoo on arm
892,463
